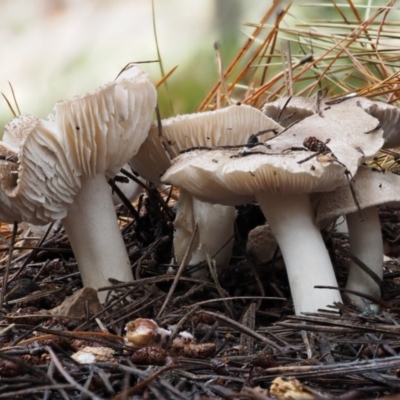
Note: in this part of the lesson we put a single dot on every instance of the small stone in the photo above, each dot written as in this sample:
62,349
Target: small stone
90,355
83,301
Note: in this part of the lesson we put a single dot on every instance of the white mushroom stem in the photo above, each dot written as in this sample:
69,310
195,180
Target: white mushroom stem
366,244
215,229
307,261
95,237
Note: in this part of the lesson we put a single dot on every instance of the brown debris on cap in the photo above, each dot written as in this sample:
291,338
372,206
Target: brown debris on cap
288,110
342,129
280,166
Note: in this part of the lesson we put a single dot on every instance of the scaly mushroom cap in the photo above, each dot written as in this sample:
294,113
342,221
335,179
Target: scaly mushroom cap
371,188
37,182
227,126
102,130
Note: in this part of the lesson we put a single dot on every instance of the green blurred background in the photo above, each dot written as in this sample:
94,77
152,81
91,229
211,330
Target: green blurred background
54,49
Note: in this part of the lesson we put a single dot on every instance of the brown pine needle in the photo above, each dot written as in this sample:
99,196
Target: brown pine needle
14,97
9,105
221,73
166,76
242,52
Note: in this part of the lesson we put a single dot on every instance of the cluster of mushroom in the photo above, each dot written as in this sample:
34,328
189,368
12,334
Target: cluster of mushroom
57,169
322,152
224,127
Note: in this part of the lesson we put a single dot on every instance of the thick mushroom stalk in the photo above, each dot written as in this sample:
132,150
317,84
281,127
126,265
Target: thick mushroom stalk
367,245
95,236
292,221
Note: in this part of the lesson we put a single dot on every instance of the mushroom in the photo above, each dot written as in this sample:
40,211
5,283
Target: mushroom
387,115
372,188
279,174
59,169
224,127
287,110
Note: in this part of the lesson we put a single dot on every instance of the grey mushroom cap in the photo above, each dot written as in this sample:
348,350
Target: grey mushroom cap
227,126
288,110
344,131
371,187
387,115
279,165
224,177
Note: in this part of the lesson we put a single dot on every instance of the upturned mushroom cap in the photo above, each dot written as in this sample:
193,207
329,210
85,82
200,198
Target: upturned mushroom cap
37,181
102,130
227,126
371,188
45,160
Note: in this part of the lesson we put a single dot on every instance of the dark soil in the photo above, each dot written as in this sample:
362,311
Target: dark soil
245,334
